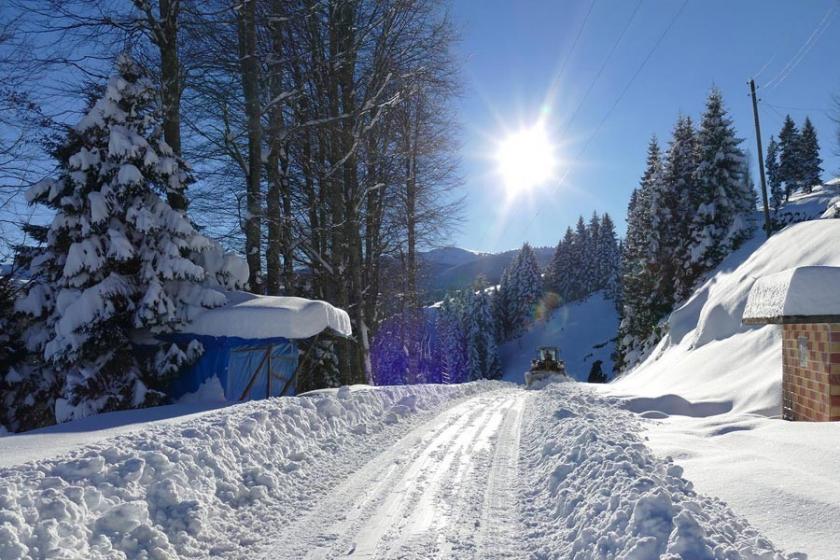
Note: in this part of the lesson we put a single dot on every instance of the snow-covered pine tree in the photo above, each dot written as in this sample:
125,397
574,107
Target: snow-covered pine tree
452,339
638,318
482,352
810,163
674,199
774,180
609,258
502,302
117,257
560,268
578,267
12,367
789,156
720,219
593,270
528,287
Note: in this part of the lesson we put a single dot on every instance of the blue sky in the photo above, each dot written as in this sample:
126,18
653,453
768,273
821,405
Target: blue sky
513,52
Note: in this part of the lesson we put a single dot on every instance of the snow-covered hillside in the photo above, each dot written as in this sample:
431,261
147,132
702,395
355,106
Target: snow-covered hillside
708,354
712,389
584,332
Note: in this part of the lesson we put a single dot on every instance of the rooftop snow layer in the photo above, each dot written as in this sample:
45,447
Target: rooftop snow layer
247,315
794,294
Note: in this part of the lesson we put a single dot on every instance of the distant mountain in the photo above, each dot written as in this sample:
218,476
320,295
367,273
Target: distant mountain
450,256
452,268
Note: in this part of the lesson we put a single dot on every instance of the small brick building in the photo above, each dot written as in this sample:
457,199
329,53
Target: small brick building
806,302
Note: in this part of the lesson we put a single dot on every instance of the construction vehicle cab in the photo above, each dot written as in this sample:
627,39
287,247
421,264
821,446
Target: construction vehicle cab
545,365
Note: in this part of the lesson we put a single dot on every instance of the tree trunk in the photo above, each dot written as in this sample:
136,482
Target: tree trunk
250,71
165,35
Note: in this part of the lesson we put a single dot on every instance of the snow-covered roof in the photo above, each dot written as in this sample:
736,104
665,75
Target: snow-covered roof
247,315
805,294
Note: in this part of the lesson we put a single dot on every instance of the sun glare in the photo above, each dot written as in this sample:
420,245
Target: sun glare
526,159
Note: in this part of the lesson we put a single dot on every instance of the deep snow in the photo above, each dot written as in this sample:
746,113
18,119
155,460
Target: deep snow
712,389
480,470
216,485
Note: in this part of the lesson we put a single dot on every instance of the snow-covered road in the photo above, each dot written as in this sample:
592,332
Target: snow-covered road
481,470
447,489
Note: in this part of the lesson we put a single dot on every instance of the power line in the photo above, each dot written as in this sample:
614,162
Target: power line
574,44
559,74
804,49
615,104
803,109
604,64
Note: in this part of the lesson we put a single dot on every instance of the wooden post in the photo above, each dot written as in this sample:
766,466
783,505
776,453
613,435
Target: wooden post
768,226
268,373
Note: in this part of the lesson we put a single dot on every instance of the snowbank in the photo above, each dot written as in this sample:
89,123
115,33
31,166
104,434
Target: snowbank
216,485
247,315
596,491
583,331
802,291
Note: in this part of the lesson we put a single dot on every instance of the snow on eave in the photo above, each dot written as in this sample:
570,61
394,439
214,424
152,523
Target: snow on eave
247,315
805,294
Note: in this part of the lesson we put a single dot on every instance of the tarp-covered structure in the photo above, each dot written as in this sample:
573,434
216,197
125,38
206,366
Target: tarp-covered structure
250,349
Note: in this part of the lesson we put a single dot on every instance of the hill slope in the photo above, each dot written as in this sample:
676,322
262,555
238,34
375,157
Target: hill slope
712,388
708,354
584,332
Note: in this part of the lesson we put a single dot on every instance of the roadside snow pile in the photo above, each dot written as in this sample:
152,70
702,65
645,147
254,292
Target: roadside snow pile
215,485
594,490
584,332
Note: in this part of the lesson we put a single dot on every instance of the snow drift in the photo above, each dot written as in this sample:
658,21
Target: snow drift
594,490
215,485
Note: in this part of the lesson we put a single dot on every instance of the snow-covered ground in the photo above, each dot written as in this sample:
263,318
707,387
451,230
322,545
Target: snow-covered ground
584,332
481,470
221,484
712,389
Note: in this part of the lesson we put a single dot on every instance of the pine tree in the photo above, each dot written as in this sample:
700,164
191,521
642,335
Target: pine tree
593,270
578,267
561,267
452,341
724,196
674,200
609,259
638,316
117,257
483,358
810,163
519,291
789,157
774,179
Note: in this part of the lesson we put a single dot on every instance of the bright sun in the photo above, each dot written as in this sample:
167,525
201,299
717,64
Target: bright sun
526,159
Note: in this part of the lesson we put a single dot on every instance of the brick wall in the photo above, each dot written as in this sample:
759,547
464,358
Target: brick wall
811,379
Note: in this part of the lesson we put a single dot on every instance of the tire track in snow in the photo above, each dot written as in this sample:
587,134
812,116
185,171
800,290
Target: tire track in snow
424,496
499,520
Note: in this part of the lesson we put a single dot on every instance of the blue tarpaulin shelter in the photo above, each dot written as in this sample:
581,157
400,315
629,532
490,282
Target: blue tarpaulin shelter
249,345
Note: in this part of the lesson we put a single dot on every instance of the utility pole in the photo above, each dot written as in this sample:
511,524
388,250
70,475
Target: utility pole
768,227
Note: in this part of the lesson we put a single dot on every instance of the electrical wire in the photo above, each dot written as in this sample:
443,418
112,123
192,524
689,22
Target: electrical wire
804,49
612,50
609,112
